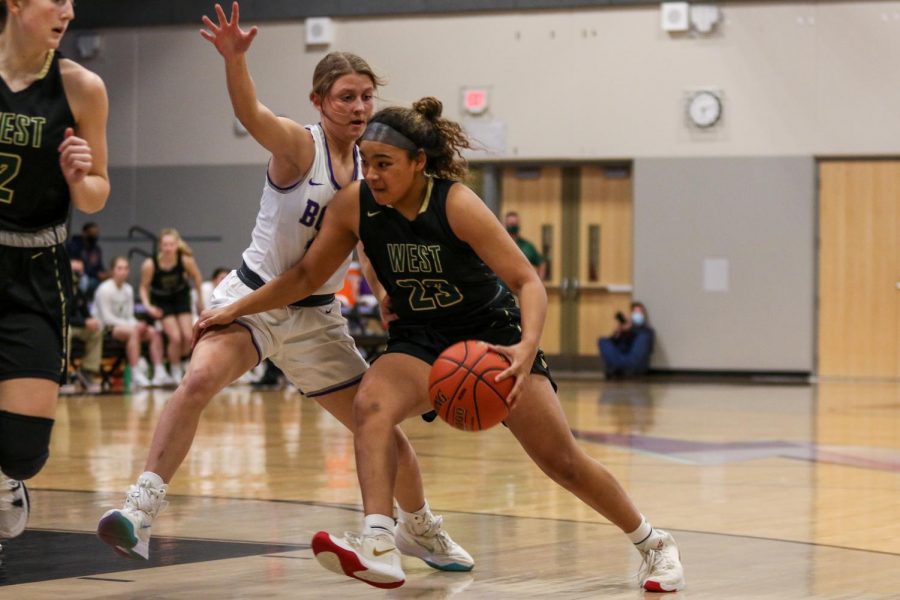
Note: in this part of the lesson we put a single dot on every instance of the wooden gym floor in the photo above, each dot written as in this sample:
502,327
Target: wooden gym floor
773,491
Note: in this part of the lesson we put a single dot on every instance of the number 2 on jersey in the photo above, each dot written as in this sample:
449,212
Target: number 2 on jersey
9,168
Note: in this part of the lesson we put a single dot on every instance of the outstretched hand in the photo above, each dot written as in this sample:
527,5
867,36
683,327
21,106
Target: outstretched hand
521,358
228,37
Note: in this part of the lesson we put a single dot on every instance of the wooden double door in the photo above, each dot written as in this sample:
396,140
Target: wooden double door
581,219
859,269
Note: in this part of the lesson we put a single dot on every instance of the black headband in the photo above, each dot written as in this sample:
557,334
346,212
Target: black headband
385,134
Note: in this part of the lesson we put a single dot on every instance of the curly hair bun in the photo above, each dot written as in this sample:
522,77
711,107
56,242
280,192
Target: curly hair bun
429,107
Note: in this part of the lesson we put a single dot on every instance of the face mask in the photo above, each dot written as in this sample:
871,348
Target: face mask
512,229
637,318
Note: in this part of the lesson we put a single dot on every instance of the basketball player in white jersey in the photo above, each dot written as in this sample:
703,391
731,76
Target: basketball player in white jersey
309,340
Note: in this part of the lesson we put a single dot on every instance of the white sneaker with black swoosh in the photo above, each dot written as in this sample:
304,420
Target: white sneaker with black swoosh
373,559
14,507
127,529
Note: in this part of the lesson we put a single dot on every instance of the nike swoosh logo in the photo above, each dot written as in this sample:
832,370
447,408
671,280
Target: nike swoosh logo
314,182
34,256
372,213
382,552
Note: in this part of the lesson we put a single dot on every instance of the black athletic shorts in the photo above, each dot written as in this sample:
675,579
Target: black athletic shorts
178,303
35,293
426,342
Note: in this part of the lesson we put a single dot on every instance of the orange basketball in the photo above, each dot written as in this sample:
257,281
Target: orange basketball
462,386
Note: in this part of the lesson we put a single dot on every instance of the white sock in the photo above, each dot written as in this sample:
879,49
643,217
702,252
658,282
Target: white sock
154,479
417,519
379,524
159,369
644,536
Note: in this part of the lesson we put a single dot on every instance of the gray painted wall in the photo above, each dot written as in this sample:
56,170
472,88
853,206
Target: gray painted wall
759,215
213,208
800,79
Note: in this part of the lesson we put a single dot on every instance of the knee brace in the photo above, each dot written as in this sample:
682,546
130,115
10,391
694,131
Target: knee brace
24,444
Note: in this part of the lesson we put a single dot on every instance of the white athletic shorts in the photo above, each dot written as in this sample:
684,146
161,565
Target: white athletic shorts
312,345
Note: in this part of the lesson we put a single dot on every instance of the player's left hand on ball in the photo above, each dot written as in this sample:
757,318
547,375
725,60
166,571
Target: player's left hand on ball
521,358
75,157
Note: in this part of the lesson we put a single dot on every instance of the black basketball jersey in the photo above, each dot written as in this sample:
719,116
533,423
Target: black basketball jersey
34,194
429,273
168,282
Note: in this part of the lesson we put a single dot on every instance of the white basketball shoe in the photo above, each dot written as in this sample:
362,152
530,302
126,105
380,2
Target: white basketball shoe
161,378
373,559
426,539
14,507
127,529
138,380
661,569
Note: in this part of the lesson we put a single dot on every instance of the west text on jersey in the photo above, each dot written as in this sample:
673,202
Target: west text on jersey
21,130
415,258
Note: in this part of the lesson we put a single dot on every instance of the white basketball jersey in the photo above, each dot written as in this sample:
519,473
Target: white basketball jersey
290,218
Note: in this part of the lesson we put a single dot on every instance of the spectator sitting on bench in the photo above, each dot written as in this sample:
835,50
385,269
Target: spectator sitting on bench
87,329
114,307
86,249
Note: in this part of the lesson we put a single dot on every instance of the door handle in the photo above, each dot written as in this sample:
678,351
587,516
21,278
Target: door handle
573,288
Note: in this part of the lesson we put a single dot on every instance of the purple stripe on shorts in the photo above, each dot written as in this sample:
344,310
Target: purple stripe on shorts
335,388
259,356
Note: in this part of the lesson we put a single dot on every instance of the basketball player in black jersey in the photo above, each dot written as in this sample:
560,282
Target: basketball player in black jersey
167,296
52,156
450,271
